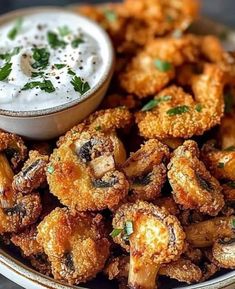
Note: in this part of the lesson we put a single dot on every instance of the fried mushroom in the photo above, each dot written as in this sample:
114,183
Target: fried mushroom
136,228
223,252
193,186
75,244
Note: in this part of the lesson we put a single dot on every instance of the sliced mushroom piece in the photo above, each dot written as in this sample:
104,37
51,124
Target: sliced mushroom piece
223,252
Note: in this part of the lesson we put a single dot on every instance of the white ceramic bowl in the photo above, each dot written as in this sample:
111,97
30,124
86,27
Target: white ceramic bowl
49,123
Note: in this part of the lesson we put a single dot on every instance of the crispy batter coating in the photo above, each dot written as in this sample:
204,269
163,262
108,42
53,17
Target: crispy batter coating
220,163
188,217
83,172
117,268
141,223
193,254
229,192
208,270
146,171
169,204
116,100
33,173
193,186
180,115
205,233
23,213
143,78
14,148
223,252
227,132
76,244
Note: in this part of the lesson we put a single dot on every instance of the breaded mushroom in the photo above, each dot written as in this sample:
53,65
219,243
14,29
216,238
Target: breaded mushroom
193,186
154,236
223,252
146,171
75,244
33,173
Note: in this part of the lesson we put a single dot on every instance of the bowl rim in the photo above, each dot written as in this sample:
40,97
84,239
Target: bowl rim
17,267
109,60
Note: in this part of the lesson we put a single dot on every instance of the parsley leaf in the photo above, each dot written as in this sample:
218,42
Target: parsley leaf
50,170
37,73
64,31
110,15
233,223
16,29
71,72
54,40
41,57
5,71
154,102
116,232
162,65
98,128
8,56
46,85
59,66
80,85
198,107
75,43
178,110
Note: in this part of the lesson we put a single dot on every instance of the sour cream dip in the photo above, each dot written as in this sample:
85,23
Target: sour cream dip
47,59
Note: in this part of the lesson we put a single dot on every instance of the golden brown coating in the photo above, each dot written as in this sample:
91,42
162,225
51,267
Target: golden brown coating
144,76
14,148
208,270
23,213
223,252
116,100
169,204
205,233
83,171
145,170
229,192
177,114
75,244
117,268
33,173
155,238
227,132
193,254
193,186
220,163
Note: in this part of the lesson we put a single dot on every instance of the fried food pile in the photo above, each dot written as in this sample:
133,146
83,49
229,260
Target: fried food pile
144,188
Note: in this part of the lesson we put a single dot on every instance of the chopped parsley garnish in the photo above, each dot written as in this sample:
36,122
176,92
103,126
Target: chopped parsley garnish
162,65
41,57
80,85
46,85
154,102
64,31
98,128
50,170
198,107
16,29
178,110
71,72
8,56
54,40
110,15
220,165
5,71
116,232
75,43
60,66
230,149
37,73
233,223
128,229
229,102
231,184
169,18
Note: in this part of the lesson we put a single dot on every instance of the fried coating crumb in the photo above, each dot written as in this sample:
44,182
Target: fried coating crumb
223,253
227,132
193,186
208,270
179,115
168,204
117,100
75,244
83,172
33,173
146,171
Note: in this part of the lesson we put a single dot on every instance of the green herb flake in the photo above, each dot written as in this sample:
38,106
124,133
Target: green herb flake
155,102
98,128
37,73
16,29
116,232
54,40
220,165
110,15
8,56
178,110
230,149
128,229
198,107
41,57
71,72
233,223
59,66
50,170
5,71
169,18
229,102
46,85
231,184
64,31
80,85
162,65
75,43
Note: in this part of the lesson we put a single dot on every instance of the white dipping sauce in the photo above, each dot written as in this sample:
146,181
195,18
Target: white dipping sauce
47,60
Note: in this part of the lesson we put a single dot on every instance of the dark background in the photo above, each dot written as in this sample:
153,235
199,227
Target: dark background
220,10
